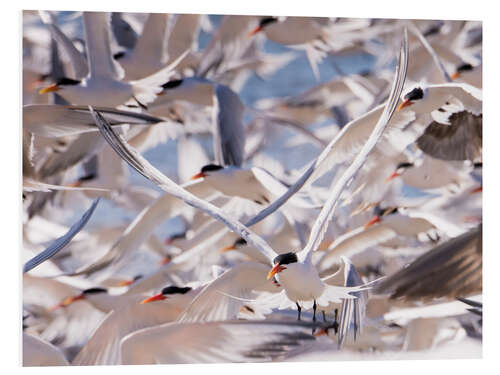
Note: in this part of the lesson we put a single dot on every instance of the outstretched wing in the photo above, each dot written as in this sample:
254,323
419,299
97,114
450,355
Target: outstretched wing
59,244
321,224
141,165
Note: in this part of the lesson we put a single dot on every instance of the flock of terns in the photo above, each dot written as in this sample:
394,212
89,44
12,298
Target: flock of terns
371,249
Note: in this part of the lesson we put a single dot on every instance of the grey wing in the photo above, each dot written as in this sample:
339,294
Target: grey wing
352,311
103,347
59,244
229,341
83,148
229,134
78,61
461,140
452,269
141,165
61,120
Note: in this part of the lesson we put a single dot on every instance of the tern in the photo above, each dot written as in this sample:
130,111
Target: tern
294,270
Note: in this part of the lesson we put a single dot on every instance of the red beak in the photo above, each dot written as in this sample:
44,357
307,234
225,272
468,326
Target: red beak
405,103
392,176
157,297
479,189
373,220
198,175
455,75
254,31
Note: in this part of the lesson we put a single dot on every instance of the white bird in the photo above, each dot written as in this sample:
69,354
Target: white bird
299,277
104,85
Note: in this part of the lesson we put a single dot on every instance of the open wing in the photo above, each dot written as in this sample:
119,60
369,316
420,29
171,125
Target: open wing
326,214
229,134
103,347
59,244
62,120
78,61
452,269
223,298
141,165
230,341
97,27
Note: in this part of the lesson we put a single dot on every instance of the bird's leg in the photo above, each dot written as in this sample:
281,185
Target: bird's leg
299,310
314,316
324,315
335,324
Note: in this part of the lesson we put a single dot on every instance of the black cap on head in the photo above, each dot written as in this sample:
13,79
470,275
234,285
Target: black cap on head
380,212
404,164
119,55
286,258
67,82
267,20
175,290
172,84
211,168
415,94
240,242
464,67
88,177
94,291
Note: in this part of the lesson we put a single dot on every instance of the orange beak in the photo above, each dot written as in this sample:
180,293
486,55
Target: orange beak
157,297
320,332
276,269
254,31
405,103
67,301
166,260
227,248
392,176
198,175
51,88
455,75
76,183
126,282
375,219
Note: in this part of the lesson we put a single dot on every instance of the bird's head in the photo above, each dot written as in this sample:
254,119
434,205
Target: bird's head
166,293
279,263
82,296
262,24
79,182
379,214
400,169
414,95
207,170
239,243
465,67
130,281
59,85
